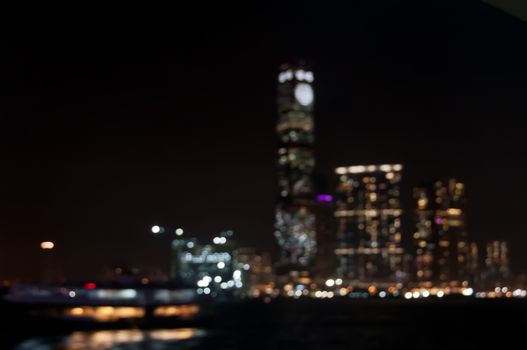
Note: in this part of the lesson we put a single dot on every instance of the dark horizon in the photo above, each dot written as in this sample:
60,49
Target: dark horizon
120,118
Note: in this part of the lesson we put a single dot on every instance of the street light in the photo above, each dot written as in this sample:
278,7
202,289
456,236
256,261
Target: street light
157,229
47,272
47,245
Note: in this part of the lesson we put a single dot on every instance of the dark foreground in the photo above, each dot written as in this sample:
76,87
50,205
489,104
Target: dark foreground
300,324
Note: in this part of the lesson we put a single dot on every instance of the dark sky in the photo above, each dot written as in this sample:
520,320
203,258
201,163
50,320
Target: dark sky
118,118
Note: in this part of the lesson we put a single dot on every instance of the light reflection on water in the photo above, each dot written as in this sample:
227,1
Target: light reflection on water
160,339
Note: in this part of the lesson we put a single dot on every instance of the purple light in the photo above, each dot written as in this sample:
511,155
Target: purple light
439,221
324,198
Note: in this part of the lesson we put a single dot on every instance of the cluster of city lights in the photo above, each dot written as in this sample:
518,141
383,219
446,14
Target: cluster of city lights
334,282
156,229
225,278
206,285
219,240
335,287
114,313
425,293
357,169
207,257
300,75
302,291
502,292
368,212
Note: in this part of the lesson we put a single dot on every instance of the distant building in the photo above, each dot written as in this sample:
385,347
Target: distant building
260,275
443,256
473,264
210,268
369,213
295,221
496,272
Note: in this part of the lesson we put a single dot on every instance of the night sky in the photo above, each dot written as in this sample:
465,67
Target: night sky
115,119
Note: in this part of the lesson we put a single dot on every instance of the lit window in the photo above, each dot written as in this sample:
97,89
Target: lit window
444,244
454,211
300,74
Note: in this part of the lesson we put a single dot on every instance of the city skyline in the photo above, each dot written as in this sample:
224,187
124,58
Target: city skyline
93,164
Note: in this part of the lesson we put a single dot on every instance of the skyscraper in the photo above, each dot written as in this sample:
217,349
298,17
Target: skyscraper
443,254
369,214
295,221
496,264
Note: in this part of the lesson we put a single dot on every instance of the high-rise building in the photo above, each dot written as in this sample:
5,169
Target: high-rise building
295,222
444,257
369,224
473,265
260,279
496,264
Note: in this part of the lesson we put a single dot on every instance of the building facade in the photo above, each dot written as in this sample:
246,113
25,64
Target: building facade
294,220
260,277
213,269
496,272
369,213
443,255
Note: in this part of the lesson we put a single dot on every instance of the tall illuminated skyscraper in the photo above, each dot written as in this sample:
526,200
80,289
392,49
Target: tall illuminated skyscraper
443,254
295,221
369,214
